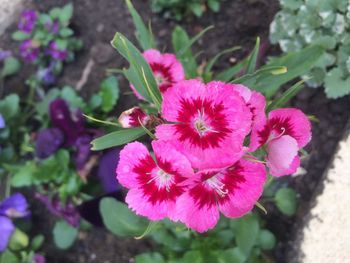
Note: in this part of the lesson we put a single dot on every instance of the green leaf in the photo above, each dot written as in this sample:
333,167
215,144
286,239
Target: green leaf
212,62
180,39
73,99
117,138
336,85
64,234
11,66
286,96
109,92
153,257
232,255
191,41
37,242
286,201
19,240
9,257
9,106
193,256
298,63
247,233
214,5
196,9
144,36
120,220
66,14
20,35
66,32
24,175
253,57
266,239
139,73
228,74
265,71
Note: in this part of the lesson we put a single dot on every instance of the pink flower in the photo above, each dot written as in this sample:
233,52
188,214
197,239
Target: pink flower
233,191
285,133
132,118
208,123
167,70
154,185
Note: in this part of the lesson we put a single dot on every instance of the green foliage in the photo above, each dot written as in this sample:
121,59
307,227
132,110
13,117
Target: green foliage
120,220
286,201
11,66
150,258
64,234
178,9
322,22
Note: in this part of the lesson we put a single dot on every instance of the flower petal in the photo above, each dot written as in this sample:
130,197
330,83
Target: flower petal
197,217
245,183
281,155
131,156
14,206
6,230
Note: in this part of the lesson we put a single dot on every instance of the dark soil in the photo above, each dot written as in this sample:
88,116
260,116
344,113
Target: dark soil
238,23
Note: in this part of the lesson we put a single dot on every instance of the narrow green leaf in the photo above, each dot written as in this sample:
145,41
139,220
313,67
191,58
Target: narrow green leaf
64,234
117,138
228,74
180,39
253,57
211,62
193,40
287,96
286,201
119,219
148,230
298,63
139,72
245,79
144,36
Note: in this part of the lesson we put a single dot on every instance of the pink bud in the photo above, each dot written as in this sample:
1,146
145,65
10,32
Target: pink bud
133,118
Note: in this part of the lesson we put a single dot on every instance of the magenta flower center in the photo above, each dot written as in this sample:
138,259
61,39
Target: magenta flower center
162,179
218,186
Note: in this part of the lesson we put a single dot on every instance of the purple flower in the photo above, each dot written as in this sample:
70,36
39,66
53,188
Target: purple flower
27,21
46,75
106,170
56,53
48,142
82,153
53,27
66,211
2,122
39,258
72,124
29,50
4,54
14,206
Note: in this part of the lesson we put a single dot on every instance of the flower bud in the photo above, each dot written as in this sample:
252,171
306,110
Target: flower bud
133,118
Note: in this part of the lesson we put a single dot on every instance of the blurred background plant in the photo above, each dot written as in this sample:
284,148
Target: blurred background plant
47,41
304,22
179,9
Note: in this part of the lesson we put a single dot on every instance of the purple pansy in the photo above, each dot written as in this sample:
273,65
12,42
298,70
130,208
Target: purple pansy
106,170
48,142
39,258
56,53
68,211
82,151
29,50
72,124
27,21
14,206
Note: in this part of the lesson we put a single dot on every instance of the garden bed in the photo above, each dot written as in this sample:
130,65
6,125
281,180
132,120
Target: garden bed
238,23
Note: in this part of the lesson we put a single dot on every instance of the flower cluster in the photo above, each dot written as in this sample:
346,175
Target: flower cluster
47,41
205,153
